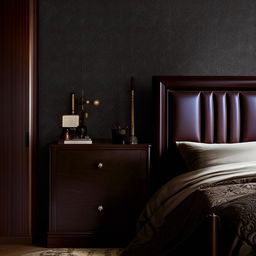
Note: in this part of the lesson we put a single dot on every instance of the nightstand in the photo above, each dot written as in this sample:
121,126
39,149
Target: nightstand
96,193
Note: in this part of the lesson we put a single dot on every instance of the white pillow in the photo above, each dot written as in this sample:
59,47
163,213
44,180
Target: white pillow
201,155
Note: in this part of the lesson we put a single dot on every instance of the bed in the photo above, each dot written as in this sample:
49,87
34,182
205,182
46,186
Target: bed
204,169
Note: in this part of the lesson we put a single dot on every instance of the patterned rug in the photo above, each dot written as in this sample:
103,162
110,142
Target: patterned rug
76,252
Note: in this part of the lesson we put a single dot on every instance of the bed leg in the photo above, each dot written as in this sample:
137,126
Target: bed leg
214,219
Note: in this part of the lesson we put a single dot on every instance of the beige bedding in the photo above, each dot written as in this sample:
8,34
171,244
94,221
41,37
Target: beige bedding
203,155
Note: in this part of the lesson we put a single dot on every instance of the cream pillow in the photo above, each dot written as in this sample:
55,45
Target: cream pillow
201,155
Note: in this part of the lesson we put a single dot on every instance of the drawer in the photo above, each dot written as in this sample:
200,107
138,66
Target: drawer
87,162
94,218
98,175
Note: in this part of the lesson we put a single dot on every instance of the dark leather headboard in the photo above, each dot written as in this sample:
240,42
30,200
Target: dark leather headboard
203,109
211,116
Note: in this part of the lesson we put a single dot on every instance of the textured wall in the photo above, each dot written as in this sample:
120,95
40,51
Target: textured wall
98,44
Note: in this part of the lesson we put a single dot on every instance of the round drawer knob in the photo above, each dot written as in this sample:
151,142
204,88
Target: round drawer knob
100,208
100,165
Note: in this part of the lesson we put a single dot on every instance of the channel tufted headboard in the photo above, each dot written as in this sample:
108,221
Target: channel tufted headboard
219,109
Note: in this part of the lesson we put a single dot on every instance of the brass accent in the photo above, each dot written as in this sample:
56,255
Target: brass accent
132,139
72,103
83,102
132,112
96,102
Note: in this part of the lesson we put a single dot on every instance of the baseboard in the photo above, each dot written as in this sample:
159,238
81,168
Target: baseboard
16,240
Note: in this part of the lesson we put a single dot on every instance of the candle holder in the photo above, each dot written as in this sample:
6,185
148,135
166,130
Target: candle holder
132,138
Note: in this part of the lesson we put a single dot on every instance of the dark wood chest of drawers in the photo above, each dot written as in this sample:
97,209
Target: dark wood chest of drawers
96,193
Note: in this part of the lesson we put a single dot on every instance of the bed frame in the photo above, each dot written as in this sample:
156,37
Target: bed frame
219,109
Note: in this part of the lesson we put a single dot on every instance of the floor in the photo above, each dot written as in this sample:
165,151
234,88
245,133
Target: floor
18,249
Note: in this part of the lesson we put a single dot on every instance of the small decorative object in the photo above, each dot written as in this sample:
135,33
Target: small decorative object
82,128
119,135
67,136
73,113
72,103
69,125
69,121
132,139
74,130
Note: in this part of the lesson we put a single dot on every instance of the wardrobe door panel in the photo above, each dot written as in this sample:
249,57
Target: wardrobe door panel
16,84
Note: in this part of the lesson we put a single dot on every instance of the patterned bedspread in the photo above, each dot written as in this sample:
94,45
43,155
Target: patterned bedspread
164,229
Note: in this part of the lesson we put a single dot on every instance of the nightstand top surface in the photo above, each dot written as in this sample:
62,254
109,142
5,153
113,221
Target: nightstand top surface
100,146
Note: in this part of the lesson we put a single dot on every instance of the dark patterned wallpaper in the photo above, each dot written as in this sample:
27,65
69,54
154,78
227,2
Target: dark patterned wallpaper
98,44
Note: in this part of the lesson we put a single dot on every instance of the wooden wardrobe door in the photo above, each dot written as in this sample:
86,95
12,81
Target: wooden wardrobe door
17,118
